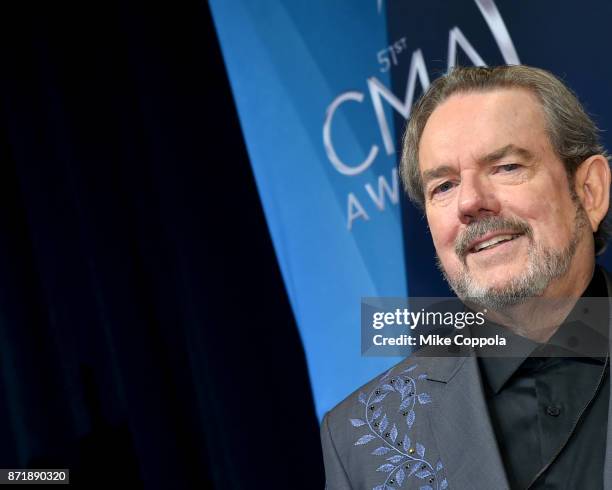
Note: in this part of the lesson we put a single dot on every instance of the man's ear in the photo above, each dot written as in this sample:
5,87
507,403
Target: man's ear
592,183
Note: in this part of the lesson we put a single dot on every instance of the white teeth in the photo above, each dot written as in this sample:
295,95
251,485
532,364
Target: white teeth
493,241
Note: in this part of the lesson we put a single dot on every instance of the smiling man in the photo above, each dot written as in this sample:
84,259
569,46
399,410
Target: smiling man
515,185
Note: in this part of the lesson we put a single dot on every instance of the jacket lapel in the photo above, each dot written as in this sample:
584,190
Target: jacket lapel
461,426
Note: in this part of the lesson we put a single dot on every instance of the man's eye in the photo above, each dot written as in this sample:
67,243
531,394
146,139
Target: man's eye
444,187
508,167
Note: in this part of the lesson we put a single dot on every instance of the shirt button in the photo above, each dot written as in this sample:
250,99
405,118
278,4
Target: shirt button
553,411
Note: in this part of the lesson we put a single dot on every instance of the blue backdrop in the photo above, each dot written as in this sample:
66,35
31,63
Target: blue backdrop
323,90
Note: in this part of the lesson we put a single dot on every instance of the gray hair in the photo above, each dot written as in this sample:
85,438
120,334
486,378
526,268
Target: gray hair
573,134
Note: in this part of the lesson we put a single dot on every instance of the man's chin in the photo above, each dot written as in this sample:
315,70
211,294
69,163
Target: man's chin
499,294
497,271
495,298
496,285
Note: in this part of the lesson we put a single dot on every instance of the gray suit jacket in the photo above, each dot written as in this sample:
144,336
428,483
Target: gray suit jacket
425,425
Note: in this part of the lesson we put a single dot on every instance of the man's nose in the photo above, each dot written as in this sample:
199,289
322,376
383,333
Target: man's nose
476,199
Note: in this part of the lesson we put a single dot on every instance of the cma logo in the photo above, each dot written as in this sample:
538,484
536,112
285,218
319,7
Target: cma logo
379,92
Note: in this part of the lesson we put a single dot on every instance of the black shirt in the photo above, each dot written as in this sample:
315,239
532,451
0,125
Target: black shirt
549,402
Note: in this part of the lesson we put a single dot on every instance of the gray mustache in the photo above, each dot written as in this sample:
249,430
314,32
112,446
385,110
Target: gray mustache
478,229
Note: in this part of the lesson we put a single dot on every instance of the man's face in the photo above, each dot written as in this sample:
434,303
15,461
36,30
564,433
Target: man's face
497,198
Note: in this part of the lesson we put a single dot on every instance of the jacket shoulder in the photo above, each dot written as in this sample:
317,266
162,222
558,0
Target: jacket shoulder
380,427
404,379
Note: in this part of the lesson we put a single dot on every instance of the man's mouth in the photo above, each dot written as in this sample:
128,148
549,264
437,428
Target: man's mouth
493,242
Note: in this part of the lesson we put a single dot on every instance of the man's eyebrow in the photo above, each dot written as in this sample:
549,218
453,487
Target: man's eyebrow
494,156
435,173
504,152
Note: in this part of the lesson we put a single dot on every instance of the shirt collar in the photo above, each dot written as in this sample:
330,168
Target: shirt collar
582,336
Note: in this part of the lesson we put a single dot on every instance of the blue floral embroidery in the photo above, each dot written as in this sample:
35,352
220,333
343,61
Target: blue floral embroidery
401,461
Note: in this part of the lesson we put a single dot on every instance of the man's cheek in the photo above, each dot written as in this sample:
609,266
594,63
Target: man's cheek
440,234
449,261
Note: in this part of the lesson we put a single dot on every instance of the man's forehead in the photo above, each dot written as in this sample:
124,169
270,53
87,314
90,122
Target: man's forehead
476,124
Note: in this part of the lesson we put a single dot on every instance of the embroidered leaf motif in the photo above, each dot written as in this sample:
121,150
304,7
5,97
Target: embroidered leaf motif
383,424
410,418
395,459
414,469
422,474
424,398
405,404
420,450
399,477
380,397
399,465
377,413
380,451
364,439
393,433
406,442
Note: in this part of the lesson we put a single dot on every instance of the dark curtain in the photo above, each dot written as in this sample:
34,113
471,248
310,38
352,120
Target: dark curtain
145,332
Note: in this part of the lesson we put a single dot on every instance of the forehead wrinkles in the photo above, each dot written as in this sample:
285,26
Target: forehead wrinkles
468,125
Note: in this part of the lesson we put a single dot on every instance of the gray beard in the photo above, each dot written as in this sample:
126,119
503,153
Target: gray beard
543,267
